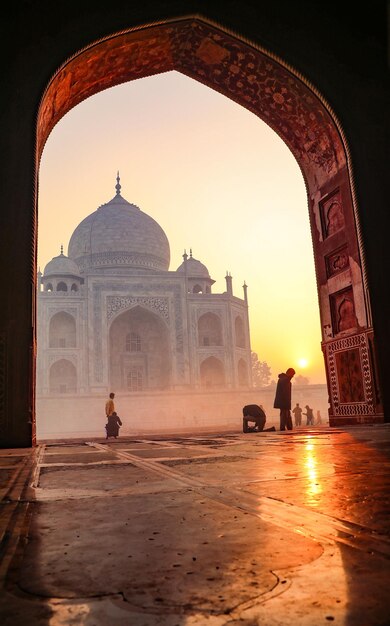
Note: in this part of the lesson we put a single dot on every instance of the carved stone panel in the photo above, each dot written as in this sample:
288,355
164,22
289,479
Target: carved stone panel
337,261
350,376
343,311
332,216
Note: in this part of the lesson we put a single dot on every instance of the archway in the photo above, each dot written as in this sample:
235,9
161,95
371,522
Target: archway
239,332
62,331
209,330
289,105
212,373
139,352
62,377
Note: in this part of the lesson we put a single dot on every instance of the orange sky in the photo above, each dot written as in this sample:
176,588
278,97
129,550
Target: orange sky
216,178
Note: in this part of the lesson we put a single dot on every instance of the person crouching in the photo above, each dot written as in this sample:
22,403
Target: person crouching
112,426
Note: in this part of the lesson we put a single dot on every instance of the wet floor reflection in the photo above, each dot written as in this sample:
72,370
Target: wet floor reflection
280,526
314,487
341,476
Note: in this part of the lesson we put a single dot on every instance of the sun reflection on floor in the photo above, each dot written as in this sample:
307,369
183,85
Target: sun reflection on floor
313,481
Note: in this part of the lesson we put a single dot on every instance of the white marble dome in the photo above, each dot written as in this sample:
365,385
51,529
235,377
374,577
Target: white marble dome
195,269
119,234
61,265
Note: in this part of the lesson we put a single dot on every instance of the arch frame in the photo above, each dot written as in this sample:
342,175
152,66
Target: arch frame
40,45
279,95
140,357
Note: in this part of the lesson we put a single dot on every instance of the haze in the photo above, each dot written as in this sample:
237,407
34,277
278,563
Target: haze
216,178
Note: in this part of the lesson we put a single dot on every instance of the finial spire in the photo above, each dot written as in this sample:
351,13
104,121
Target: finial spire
62,249
191,253
118,185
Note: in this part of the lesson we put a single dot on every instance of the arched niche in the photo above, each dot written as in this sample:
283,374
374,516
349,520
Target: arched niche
63,377
239,332
209,330
212,372
149,362
300,115
62,330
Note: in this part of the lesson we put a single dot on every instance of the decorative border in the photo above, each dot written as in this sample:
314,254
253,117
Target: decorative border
357,408
116,304
122,259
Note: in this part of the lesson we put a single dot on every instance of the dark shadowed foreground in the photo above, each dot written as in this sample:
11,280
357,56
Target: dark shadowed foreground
243,529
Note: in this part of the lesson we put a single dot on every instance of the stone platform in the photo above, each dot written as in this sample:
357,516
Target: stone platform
273,529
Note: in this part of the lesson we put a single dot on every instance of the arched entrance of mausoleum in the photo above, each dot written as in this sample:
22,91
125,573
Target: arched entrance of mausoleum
139,353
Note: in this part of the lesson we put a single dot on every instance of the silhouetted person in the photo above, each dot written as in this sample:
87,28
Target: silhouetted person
112,426
319,418
283,398
256,414
309,416
110,407
297,410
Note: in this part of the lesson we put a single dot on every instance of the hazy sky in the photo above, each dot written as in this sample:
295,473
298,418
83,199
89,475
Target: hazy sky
217,180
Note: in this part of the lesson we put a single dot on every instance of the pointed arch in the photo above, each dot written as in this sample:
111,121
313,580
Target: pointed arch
278,94
62,330
212,372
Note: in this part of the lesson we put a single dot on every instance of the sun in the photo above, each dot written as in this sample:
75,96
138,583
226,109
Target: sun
303,363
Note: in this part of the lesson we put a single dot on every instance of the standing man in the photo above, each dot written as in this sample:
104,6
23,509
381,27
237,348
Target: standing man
110,407
309,416
297,410
283,398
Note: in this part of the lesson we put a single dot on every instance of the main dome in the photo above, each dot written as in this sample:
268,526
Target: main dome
119,234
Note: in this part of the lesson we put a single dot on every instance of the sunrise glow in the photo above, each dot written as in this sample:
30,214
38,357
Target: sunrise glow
216,178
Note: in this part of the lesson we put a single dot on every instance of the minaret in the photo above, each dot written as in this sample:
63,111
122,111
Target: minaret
185,257
229,283
39,279
245,288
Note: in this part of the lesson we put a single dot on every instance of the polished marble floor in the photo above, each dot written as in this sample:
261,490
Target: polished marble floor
252,529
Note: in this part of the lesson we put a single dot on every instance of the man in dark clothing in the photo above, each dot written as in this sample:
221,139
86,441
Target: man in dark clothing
112,426
283,398
254,413
309,416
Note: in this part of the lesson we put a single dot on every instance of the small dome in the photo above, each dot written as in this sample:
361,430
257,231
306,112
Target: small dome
118,233
195,269
61,266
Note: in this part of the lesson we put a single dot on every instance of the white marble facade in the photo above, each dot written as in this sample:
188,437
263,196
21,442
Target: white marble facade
113,317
